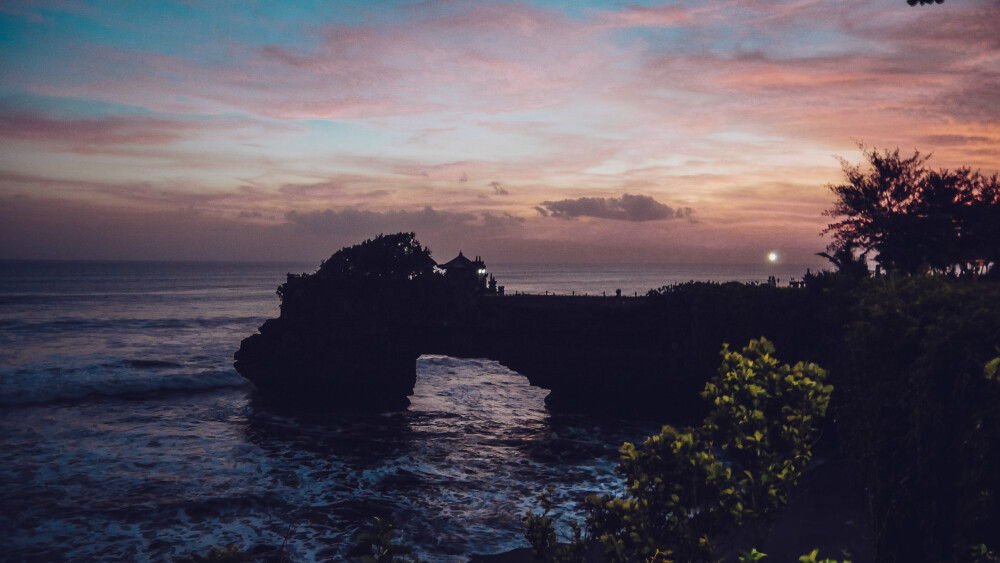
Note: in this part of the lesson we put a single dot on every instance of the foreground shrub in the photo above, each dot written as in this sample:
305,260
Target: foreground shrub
686,487
376,545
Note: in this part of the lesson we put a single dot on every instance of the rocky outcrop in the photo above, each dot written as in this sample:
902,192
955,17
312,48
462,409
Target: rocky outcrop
294,364
349,335
592,353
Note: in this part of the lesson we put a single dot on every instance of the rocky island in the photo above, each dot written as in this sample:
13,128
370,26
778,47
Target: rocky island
348,336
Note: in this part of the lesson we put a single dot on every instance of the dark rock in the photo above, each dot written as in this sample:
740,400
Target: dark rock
349,335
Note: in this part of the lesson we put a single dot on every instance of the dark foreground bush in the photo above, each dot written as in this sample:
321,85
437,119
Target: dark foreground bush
917,412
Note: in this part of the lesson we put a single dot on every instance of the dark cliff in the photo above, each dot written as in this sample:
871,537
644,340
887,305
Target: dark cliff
349,335
643,355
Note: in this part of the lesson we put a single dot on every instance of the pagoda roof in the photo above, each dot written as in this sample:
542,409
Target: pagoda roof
460,262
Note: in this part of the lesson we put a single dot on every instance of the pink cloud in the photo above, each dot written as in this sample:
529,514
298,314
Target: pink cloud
643,16
477,55
109,130
485,57
555,108
899,77
941,31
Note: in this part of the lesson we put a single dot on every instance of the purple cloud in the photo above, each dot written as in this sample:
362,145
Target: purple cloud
102,131
625,208
498,188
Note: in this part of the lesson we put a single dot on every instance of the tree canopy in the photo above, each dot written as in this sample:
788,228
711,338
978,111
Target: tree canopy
398,257
916,219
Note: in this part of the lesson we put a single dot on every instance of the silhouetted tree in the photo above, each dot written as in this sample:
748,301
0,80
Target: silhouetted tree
397,257
847,262
914,218
392,268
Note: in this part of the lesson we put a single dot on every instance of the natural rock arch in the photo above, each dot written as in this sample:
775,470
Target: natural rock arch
349,335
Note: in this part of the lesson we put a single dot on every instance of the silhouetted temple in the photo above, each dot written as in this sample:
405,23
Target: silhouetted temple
468,273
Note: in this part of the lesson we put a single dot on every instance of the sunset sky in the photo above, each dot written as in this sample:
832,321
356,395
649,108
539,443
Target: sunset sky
563,130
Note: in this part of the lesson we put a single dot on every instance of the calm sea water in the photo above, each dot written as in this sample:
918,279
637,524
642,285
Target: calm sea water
125,434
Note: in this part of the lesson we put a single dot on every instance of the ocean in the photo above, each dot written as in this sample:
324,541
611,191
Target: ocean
125,433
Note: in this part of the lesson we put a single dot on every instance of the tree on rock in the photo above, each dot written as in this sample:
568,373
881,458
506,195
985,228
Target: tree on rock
398,257
348,335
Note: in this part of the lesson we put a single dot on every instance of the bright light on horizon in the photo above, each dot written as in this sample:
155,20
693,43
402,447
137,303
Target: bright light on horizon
773,257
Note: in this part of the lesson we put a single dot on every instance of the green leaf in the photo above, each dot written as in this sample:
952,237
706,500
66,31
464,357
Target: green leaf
992,370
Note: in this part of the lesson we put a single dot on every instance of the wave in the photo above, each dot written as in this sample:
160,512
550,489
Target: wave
39,385
152,364
65,324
